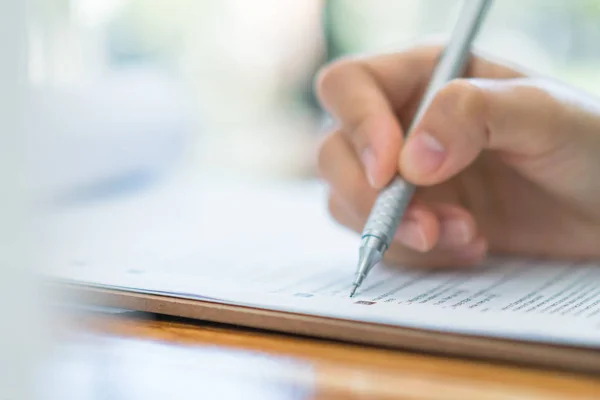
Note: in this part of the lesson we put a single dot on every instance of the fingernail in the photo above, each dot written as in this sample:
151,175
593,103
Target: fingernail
426,152
474,250
410,234
455,232
369,161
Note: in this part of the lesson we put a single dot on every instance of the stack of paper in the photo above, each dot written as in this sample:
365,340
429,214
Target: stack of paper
274,247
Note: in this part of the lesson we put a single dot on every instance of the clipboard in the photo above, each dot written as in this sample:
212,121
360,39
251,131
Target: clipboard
530,354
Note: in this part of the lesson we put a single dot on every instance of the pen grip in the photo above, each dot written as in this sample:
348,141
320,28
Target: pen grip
388,210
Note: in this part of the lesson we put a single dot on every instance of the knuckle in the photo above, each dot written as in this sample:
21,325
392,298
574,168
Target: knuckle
461,107
462,99
327,77
459,110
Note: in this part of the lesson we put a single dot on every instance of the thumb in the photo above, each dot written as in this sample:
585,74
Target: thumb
517,117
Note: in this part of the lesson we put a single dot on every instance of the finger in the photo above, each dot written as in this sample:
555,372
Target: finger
339,166
457,226
473,253
403,76
349,91
366,96
419,229
468,256
514,117
407,249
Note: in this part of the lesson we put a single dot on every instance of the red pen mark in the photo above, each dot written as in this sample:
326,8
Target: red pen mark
365,303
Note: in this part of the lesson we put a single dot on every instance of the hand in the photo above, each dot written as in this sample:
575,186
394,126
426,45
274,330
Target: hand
504,163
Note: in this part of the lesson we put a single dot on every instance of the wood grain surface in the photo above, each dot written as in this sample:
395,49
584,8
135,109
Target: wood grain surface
142,356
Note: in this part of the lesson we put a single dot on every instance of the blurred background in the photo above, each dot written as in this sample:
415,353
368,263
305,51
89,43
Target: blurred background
127,91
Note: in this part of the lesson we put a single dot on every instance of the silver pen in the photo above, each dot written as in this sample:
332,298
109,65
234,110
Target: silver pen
393,199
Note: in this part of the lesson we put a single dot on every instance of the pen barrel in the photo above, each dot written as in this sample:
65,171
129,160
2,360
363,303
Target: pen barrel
392,201
388,210
453,61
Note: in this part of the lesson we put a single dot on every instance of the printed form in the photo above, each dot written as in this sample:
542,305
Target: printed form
261,267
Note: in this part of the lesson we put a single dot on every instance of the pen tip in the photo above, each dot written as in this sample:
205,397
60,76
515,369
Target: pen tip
353,291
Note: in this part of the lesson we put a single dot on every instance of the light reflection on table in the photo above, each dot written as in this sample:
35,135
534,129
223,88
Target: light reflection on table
94,367
124,357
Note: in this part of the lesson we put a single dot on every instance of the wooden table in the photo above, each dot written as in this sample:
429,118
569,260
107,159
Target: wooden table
140,356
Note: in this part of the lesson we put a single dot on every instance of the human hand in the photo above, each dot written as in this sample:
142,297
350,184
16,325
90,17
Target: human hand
504,163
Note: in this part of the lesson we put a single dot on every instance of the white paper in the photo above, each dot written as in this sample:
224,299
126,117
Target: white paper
275,248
